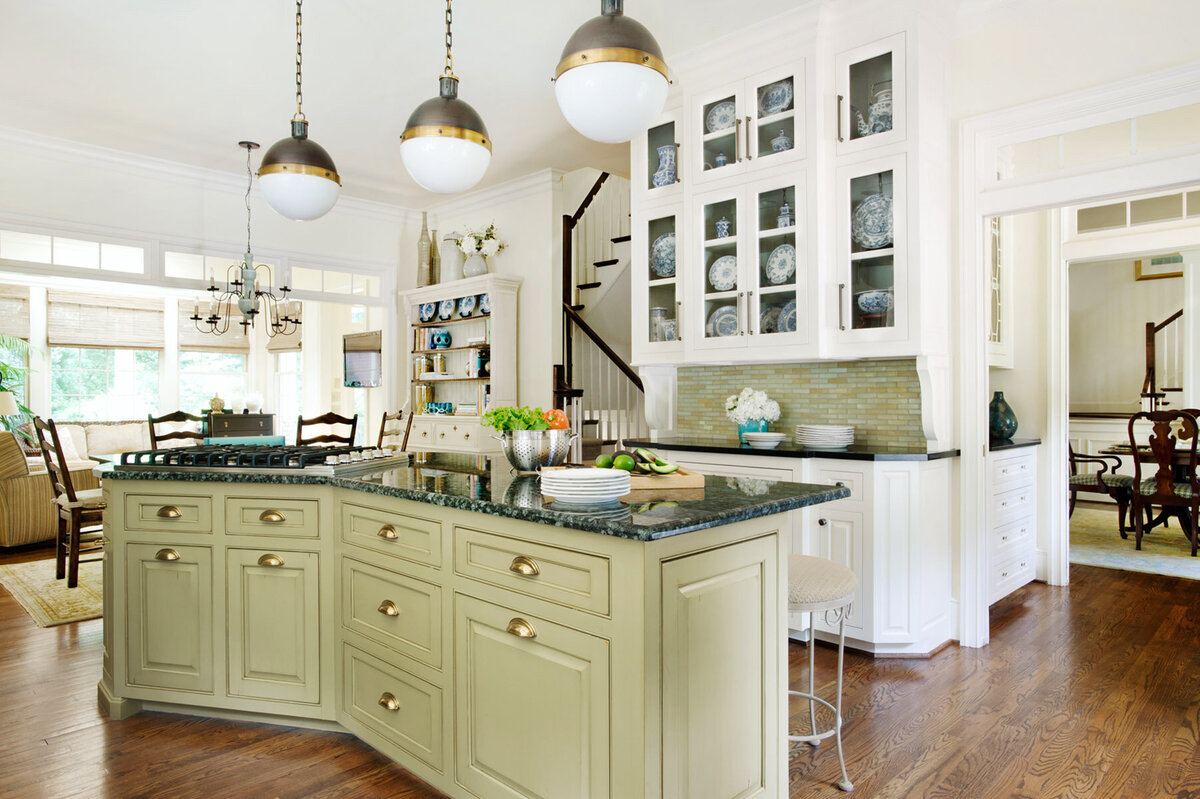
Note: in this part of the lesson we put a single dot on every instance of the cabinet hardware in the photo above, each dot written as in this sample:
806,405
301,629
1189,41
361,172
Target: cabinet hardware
1003,574
822,522
388,608
840,484
677,161
272,517
466,436
424,433
169,512
270,560
524,566
748,156
749,306
442,434
388,702
166,554
737,138
839,118
521,628
741,294
841,306
1003,538
679,320
388,532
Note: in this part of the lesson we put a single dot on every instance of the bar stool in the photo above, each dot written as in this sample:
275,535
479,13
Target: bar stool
816,585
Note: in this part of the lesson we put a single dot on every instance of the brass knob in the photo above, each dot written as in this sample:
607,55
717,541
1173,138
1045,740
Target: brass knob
388,608
442,434
466,436
169,512
388,702
521,628
272,517
424,433
840,484
270,560
388,532
524,566
822,522
166,554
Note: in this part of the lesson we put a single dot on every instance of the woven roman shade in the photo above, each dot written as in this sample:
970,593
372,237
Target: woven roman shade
95,320
232,340
14,311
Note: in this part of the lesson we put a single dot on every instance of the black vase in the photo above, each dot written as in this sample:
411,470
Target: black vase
1002,422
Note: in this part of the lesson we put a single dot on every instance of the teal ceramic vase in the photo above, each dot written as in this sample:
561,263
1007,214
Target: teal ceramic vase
1002,422
752,426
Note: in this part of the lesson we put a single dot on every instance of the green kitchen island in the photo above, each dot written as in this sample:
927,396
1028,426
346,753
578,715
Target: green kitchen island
452,618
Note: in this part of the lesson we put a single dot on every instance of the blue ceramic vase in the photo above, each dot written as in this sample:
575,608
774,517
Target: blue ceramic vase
752,426
1002,422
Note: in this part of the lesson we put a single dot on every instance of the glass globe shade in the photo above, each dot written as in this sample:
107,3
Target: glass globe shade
611,101
300,197
443,164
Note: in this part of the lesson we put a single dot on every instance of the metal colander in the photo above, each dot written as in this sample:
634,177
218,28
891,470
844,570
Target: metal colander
529,450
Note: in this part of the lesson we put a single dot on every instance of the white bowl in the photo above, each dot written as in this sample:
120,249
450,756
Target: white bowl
763,444
765,436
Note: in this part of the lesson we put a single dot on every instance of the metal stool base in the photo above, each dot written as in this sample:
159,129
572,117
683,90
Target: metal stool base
835,730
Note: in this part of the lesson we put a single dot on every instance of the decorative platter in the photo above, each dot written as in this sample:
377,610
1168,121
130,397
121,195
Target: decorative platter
871,225
768,319
775,97
723,322
781,264
466,305
485,303
426,311
662,255
446,309
720,117
787,318
722,275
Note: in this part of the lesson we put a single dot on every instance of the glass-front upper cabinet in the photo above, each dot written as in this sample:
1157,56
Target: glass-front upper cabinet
657,299
871,95
655,164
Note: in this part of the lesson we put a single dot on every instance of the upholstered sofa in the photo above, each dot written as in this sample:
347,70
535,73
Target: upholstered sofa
27,514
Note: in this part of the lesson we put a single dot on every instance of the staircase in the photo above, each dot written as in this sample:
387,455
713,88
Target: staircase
1164,362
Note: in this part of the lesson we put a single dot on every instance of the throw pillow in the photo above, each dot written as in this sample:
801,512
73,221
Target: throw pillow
28,445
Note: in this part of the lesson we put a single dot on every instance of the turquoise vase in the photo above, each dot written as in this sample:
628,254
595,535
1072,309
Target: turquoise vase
752,426
1002,422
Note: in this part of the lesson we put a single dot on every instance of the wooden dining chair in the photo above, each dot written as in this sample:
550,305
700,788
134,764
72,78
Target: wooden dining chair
80,513
396,430
326,438
174,435
1173,485
1104,480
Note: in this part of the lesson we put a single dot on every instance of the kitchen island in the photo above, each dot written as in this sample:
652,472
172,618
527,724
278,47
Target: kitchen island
452,618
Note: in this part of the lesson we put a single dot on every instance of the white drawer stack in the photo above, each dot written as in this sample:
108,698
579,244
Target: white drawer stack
1012,520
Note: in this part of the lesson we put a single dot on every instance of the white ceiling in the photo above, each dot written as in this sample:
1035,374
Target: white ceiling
187,81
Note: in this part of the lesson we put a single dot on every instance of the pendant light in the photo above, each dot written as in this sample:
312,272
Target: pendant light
611,82
445,146
296,175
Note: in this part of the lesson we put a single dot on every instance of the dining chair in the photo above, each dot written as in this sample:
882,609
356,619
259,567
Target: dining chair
175,435
1173,486
1104,480
396,430
330,418
80,513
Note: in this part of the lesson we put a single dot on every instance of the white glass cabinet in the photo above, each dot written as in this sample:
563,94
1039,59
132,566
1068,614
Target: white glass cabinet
657,294
871,91
656,168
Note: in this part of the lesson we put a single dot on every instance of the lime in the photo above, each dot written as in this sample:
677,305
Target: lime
604,461
625,462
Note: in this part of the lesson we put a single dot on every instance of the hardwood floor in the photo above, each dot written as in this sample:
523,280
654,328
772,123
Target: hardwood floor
1091,691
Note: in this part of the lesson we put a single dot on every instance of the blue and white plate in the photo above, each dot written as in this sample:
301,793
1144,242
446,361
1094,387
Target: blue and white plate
722,275
466,305
720,117
871,225
768,319
446,309
781,264
775,97
787,318
485,303
723,322
426,311
662,255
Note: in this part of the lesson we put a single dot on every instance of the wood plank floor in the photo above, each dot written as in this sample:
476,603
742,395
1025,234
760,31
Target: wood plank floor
1087,691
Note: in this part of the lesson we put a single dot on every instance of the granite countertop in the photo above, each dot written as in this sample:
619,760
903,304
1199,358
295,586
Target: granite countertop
998,444
487,485
789,449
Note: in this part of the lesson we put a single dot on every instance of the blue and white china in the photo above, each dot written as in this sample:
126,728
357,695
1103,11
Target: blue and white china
662,255
665,174
775,97
466,305
871,223
781,264
426,311
768,319
781,142
720,117
446,309
722,275
720,160
485,303
723,322
787,318
668,330
879,111
722,228
874,301
785,218
440,339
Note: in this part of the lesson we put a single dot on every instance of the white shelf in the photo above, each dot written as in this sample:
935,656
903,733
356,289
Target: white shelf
882,252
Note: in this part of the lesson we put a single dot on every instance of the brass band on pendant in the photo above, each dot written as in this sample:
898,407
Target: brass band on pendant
447,132
300,169
598,55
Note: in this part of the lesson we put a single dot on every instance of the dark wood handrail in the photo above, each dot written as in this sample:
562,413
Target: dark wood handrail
602,345
591,195
1149,389
1167,321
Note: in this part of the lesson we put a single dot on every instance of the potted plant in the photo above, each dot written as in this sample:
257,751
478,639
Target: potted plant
12,380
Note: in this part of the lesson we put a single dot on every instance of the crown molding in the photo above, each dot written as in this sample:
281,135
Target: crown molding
508,191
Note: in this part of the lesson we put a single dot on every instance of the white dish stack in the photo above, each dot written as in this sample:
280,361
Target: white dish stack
585,486
824,436
763,440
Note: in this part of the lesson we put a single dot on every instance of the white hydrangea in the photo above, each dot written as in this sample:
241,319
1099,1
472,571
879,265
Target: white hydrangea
490,247
751,404
469,244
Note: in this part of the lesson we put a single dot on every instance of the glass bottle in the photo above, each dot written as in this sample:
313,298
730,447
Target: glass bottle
423,247
435,260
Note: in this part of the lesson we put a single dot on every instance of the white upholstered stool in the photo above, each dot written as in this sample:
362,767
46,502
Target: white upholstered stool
818,585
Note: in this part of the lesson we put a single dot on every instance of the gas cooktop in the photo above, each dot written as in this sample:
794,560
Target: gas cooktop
262,458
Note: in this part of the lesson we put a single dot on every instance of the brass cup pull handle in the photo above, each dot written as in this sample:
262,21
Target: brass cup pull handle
521,628
272,517
166,554
388,608
270,560
169,512
388,702
524,566
388,532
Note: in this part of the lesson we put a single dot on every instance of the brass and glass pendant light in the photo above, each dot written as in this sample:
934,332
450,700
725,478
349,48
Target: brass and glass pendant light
445,146
611,82
297,176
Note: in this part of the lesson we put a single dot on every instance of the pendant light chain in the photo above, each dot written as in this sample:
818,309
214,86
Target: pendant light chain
299,61
249,184
449,41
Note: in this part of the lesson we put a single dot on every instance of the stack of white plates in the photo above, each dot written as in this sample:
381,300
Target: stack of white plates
827,436
585,486
763,440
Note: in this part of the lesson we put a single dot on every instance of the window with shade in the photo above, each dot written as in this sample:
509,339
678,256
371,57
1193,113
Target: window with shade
204,373
289,392
14,325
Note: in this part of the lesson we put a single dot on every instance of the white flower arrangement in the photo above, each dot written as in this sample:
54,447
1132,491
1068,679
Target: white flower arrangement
751,404
481,242
750,486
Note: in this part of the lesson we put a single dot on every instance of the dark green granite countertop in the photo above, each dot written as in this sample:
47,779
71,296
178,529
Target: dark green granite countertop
486,485
789,449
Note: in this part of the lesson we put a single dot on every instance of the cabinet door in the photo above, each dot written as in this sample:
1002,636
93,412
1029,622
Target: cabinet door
657,302
716,266
776,270
776,121
838,536
531,705
716,146
871,95
273,625
169,616
722,688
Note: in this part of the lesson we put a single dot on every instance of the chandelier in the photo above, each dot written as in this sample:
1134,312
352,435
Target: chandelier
244,290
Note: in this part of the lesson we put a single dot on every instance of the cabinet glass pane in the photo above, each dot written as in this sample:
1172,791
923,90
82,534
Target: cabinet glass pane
778,261
662,150
661,284
871,96
720,119
776,117
722,312
872,271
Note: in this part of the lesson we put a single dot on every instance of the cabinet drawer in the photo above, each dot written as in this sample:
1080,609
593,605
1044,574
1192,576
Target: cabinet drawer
1014,505
856,481
567,577
397,534
241,424
1010,575
422,434
1010,540
401,707
458,435
1012,470
294,518
731,470
393,609
168,513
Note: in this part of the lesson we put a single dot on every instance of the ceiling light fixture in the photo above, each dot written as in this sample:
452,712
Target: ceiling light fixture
445,146
297,176
611,82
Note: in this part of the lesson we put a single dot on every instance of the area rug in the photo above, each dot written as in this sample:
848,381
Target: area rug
1096,542
48,600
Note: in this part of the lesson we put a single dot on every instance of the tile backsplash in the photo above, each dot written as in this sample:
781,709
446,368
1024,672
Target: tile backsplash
882,399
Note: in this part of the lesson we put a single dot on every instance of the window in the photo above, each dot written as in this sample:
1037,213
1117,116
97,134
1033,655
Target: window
289,393
202,374
103,384
13,362
78,253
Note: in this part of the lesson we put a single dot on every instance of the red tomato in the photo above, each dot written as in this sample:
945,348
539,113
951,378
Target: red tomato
557,419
